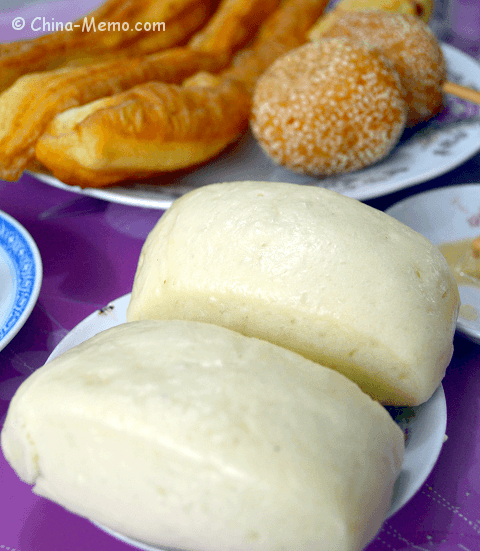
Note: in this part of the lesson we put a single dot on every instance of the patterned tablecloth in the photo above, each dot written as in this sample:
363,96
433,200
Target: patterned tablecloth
90,250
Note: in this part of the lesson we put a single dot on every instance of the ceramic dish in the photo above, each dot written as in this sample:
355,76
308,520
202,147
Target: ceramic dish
444,215
20,277
433,149
424,425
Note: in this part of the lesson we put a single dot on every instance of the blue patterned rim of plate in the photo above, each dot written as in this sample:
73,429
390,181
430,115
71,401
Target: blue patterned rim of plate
26,270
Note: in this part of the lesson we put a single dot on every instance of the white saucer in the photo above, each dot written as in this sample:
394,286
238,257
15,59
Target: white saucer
20,277
442,215
424,425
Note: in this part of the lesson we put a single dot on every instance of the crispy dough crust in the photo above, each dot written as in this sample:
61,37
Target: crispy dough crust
152,127
32,102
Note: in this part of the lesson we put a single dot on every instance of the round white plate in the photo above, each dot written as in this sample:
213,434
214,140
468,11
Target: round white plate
20,277
447,214
433,149
424,425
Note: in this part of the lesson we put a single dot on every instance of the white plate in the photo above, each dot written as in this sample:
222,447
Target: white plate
425,425
433,149
20,277
447,214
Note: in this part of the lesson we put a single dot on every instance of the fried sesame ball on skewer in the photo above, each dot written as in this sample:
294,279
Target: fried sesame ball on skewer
328,107
410,45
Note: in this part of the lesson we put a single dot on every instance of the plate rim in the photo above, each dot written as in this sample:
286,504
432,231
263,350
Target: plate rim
126,196
438,170
438,400
21,309
435,191
465,329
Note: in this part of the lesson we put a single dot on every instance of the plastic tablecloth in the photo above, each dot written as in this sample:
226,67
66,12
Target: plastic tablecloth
90,250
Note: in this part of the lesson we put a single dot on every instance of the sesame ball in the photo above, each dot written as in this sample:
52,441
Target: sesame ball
328,107
409,44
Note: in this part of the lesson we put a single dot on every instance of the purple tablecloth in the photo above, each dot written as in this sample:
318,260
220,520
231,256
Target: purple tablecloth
90,250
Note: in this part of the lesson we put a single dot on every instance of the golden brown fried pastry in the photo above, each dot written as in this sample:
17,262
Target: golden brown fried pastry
410,46
152,127
49,51
28,106
418,8
328,107
157,127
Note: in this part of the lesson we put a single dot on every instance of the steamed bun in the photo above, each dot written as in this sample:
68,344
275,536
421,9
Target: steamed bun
190,436
310,270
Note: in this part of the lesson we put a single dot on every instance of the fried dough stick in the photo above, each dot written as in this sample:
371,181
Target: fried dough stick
188,123
181,18
158,127
30,104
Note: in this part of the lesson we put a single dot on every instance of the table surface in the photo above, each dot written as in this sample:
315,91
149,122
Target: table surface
90,250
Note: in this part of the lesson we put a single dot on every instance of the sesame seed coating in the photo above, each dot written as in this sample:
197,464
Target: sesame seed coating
328,107
412,48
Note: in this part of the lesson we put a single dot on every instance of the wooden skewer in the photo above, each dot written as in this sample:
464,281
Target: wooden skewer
462,92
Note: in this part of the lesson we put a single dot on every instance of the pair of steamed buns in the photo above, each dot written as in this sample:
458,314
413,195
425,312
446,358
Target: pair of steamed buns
220,417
